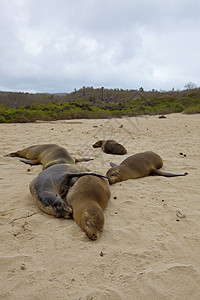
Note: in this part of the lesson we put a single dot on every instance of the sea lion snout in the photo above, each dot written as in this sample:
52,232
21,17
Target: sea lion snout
66,212
94,226
92,232
98,144
61,210
113,175
95,236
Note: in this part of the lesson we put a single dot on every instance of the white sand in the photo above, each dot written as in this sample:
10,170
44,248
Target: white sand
147,252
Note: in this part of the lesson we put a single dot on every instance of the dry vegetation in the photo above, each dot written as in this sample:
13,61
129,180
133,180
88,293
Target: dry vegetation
95,103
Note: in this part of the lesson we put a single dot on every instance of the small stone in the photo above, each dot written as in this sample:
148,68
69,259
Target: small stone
180,214
23,267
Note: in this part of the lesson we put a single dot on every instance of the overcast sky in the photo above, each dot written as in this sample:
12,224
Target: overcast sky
60,45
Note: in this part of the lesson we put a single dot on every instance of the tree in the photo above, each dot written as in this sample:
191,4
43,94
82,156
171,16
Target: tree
190,86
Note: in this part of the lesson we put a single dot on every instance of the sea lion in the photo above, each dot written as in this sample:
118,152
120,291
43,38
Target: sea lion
110,147
136,166
46,154
88,198
50,187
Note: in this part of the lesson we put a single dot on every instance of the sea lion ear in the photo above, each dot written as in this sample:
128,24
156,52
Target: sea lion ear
113,164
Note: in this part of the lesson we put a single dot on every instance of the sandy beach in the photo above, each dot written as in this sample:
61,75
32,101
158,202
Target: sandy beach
145,251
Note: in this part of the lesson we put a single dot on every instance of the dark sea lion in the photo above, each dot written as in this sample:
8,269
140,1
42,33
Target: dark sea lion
88,198
50,187
46,154
136,166
110,147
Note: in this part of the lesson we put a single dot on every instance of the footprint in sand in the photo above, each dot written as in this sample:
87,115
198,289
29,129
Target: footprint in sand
104,294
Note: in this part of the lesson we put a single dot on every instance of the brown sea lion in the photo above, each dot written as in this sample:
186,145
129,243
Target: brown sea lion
110,147
88,198
46,154
50,187
136,166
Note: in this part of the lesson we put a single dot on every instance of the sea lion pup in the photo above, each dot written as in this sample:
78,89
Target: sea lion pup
110,147
47,155
136,166
88,198
50,187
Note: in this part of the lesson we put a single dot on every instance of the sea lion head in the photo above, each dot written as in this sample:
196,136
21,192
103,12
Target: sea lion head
114,175
98,144
61,209
93,222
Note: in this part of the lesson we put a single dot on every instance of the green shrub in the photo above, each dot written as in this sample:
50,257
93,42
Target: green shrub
193,109
121,105
2,119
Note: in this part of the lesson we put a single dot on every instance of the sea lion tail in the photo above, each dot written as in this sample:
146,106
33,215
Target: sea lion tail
31,162
161,173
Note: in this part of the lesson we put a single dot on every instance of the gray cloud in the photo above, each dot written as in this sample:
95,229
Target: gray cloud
56,46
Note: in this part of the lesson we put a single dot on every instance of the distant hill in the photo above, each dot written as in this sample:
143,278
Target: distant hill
87,95
95,103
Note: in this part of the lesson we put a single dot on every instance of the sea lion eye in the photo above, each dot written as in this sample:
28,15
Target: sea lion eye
115,173
90,223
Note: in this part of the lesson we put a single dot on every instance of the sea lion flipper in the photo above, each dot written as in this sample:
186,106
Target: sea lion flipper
113,164
31,162
13,154
67,181
83,159
71,175
161,173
